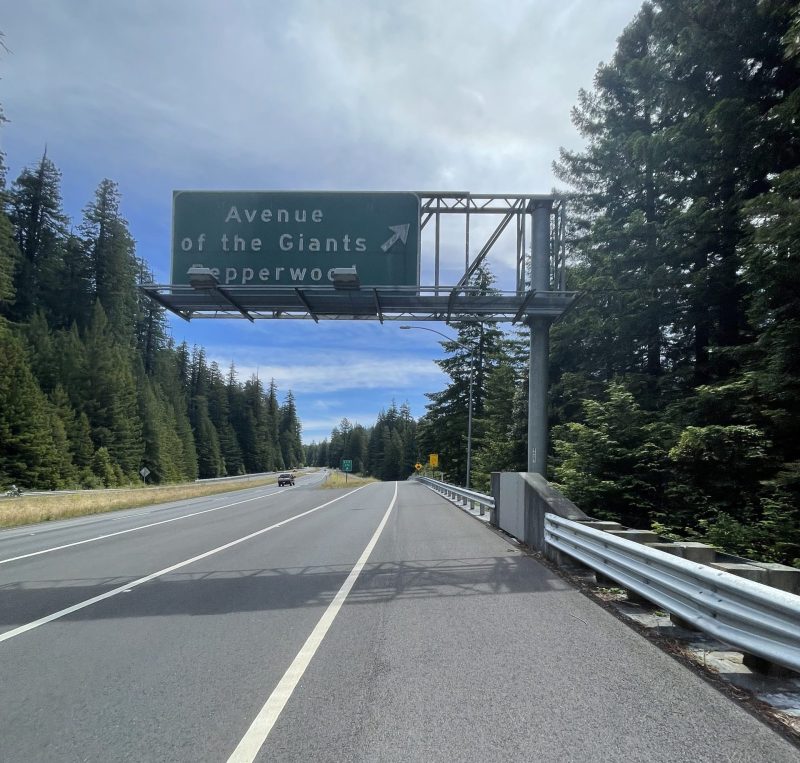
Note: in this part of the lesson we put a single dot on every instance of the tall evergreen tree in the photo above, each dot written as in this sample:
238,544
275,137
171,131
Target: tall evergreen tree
42,357
444,427
69,355
32,452
39,225
171,387
273,424
151,323
497,450
9,262
219,411
163,448
477,349
112,407
70,294
289,433
209,456
113,259
79,441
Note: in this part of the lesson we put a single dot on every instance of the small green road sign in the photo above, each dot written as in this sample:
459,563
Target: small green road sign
347,465
296,238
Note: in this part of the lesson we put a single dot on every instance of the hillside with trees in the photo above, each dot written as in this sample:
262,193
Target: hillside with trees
92,387
675,394
676,388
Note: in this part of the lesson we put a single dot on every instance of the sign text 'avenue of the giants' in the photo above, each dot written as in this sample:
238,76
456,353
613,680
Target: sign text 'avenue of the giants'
296,238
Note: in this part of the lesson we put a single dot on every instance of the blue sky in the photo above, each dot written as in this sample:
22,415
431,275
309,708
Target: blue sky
449,95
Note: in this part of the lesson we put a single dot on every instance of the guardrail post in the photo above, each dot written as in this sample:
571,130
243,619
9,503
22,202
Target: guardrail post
679,622
765,667
635,598
560,559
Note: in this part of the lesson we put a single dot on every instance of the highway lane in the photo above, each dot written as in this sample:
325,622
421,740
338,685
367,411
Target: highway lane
451,645
47,536
169,671
70,565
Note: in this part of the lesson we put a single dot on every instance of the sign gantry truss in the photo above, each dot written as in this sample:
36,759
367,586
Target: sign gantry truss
527,215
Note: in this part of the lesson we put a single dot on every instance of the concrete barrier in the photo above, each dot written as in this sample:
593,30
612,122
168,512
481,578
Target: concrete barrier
521,500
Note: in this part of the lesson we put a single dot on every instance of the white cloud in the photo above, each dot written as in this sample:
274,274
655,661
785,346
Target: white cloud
310,94
332,372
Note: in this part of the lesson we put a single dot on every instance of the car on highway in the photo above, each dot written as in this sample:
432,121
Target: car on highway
285,479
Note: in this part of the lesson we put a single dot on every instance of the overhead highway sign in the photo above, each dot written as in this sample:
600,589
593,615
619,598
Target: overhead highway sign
296,238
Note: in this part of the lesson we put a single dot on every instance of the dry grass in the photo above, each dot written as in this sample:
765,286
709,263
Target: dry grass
337,480
30,509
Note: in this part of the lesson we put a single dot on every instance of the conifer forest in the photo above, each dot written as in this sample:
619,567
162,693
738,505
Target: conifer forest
92,387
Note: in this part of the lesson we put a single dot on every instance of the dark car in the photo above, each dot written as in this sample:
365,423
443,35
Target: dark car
285,479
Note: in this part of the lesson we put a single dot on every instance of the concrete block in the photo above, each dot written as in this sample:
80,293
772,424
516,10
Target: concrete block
693,552
782,577
701,553
598,524
637,536
748,571
668,548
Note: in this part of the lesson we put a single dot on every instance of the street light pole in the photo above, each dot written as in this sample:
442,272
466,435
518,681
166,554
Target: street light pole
469,416
471,381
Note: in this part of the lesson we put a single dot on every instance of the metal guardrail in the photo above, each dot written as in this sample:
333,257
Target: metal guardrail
468,497
756,618
245,477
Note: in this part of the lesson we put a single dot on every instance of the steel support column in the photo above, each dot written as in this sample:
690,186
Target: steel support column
538,379
539,362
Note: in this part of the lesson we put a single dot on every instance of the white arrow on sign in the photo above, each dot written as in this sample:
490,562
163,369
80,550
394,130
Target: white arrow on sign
400,232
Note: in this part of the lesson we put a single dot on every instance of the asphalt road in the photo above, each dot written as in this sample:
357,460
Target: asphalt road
380,624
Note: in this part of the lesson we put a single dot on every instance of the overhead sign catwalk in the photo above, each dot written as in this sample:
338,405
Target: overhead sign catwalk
296,238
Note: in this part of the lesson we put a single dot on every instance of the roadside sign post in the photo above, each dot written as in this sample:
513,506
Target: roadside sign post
347,466
144,471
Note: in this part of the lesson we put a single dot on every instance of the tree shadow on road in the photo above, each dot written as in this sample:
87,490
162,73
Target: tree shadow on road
225,591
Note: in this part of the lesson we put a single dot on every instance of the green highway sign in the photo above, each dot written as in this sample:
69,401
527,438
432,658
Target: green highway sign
295,238
347,465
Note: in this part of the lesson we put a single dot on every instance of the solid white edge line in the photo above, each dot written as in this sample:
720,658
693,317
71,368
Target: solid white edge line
259,730
134,529
127,586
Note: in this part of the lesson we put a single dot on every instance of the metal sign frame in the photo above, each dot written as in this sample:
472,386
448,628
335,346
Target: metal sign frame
434,302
